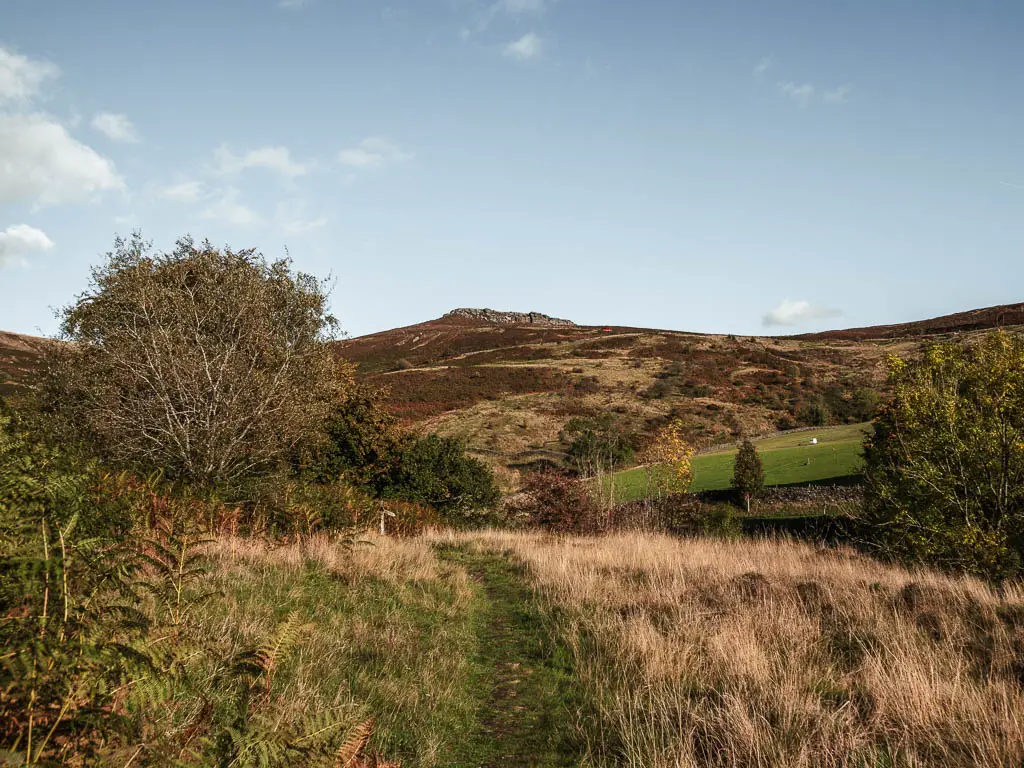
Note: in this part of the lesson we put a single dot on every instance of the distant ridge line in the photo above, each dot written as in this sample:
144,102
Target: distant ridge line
999,316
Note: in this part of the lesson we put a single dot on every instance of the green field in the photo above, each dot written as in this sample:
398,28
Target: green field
785,459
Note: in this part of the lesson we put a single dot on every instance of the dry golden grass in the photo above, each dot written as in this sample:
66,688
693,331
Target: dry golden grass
766,653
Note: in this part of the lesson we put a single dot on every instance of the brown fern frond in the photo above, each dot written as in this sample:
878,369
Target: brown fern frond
354,744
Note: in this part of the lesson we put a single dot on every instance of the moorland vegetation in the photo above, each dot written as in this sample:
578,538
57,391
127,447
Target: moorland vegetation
222,544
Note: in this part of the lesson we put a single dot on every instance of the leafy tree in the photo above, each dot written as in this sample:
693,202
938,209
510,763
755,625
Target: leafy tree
945,465
363,439
436,471
748,474
209,364
864,404
813,414
669,460
597,445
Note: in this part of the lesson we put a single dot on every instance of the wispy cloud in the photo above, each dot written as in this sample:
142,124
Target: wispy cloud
1012,185
115,127
529,46
764,65
516,7
18,241
272,158
183,192
482,14
292,4
391,15
292,219
21,78
790,312
226,208
801,93
374,152
837,95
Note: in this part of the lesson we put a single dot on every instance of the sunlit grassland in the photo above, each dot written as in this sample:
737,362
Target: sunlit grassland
706,652
788,458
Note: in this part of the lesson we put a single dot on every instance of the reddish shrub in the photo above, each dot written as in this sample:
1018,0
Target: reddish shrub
559,503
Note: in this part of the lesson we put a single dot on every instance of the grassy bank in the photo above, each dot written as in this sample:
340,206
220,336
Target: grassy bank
787,459
387,632
710,653
480,649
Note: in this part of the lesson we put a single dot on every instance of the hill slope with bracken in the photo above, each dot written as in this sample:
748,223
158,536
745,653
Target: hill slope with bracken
507,383
20,358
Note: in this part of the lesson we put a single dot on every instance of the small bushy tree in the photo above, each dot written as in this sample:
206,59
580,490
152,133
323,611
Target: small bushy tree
557,502
598,444
945,465
208,364
748,474
669,460
436,471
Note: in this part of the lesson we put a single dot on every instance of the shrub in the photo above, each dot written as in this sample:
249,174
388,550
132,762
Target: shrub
362,440
785,423
436,471
945,465
558,503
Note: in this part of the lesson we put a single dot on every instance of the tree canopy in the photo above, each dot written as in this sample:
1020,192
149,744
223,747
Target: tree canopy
748,474
945,465
207,363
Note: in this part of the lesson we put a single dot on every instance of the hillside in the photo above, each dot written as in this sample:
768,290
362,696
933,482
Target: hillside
19,358
508,389
508,382
1003,316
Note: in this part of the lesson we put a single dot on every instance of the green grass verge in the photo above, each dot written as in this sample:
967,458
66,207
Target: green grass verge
787,459
399,650
523,679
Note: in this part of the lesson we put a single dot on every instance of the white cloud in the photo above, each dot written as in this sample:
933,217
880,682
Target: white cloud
18,241
516,7
115,127
800,93
790,312
21,77
764,65
373,153
185,192
292,3
40,161
837,95
1011,184
272,158
527,47
291,217
227,209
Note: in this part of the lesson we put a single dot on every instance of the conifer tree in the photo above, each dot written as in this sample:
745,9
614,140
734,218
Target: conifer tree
748,475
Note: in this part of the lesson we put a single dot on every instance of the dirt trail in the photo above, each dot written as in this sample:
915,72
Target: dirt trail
529,707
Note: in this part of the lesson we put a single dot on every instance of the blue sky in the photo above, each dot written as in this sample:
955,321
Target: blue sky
746,167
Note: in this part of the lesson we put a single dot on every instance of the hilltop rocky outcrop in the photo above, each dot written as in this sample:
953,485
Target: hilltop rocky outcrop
495,317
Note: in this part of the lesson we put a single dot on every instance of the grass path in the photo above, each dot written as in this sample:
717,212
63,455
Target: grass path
521,677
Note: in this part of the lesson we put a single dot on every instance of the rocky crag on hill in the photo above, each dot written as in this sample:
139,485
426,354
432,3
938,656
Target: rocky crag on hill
494,317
